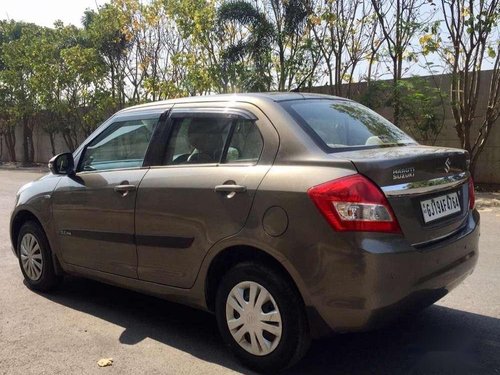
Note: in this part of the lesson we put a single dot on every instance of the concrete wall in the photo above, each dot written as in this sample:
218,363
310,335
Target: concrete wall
488,168
42,146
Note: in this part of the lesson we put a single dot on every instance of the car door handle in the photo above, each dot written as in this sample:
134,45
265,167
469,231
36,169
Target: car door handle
124,189
230,188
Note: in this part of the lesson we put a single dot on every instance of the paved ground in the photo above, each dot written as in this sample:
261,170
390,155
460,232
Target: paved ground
69,331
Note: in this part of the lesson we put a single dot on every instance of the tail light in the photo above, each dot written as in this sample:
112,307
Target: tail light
354,203
472,194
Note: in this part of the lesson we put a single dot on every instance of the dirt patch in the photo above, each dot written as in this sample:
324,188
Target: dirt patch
487,200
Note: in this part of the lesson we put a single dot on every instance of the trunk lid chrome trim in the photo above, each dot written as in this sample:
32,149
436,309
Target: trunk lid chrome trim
426,186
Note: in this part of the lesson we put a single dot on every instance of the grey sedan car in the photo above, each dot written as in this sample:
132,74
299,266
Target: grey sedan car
289,216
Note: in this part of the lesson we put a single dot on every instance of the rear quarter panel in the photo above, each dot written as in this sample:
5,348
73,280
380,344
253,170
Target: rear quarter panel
302,246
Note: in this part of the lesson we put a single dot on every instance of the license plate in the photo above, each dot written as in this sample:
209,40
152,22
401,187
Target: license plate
442,206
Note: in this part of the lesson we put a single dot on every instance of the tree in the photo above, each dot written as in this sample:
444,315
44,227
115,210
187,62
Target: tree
247,59
474,38
17,80
47,82
267,44
67,77
344,33
105,33
399,22
7,126
162,42
422,110
289,20
9,31
198,65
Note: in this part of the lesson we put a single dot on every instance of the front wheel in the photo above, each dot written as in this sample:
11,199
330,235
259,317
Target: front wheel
261,317
35,258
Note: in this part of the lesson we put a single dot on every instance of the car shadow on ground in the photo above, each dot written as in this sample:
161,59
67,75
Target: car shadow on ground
438,340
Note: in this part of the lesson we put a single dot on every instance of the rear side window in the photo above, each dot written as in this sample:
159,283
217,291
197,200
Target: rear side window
121,145
213,139
197,140
341,124
246,143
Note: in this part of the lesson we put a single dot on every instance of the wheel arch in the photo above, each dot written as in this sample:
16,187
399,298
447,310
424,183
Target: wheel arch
232,255
19,219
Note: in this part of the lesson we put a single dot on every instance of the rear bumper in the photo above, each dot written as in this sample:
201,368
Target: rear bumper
385,278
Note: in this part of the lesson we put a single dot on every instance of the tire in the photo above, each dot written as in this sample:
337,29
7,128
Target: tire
280,349
35,258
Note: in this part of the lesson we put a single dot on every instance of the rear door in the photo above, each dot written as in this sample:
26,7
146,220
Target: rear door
202,190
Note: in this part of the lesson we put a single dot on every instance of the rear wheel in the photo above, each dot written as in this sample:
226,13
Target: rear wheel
35,258
261,317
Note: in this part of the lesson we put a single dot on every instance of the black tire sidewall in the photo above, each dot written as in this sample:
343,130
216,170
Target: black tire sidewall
48,279
294,325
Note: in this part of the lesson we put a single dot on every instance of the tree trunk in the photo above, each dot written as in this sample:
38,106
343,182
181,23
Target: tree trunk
28,148
396,94
281,82
52,143
396,103
68,140
10,142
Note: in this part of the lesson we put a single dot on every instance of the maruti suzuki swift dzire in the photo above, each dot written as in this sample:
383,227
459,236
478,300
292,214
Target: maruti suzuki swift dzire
287,215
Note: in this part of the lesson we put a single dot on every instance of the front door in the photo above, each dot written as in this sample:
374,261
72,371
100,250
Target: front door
94,209
203,192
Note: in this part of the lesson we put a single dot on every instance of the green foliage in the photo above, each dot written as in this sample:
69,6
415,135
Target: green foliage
421,105
295,15
246,60
66,79
422,108
17,78
471,41
50,76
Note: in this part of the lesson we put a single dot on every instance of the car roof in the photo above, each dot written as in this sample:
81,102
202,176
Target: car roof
253,98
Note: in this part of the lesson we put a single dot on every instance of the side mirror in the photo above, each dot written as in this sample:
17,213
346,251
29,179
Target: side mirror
62,164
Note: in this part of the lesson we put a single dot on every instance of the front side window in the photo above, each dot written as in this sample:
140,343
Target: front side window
212,139
121,145
339,124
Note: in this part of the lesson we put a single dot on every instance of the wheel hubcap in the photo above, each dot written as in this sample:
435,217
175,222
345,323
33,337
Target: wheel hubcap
31,257
253,318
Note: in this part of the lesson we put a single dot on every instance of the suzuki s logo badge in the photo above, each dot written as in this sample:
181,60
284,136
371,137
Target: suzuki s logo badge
447,165
398,174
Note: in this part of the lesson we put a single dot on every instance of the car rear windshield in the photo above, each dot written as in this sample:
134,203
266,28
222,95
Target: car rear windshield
340,124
